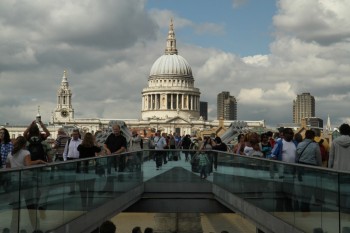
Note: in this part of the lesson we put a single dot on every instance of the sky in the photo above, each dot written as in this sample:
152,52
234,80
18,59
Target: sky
264,53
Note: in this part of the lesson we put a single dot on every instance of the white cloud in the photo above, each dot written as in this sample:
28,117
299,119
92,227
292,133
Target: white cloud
108,55
238,3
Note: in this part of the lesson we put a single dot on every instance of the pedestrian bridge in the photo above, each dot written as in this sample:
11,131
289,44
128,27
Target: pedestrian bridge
275,196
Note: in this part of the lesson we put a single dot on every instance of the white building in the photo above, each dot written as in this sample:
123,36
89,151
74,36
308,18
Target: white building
170,103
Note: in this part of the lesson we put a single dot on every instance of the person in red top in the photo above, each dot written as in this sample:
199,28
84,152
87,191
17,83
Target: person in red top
271,140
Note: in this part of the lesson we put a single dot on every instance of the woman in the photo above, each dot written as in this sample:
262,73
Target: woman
265,146
20,157
208,146
5,146
87,149
238,148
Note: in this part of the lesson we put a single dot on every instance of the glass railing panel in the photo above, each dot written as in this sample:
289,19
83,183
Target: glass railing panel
344,202
10,183
45,197
303,196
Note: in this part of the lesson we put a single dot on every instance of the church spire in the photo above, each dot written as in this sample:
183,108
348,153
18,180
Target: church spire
171,40
64,82
328,127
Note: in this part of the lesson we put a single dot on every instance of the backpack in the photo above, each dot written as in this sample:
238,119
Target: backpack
151,144
323,150
36,150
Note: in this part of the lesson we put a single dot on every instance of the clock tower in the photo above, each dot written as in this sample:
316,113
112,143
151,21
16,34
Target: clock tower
64,111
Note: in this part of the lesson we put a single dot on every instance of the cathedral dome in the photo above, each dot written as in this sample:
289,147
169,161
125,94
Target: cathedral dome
171,64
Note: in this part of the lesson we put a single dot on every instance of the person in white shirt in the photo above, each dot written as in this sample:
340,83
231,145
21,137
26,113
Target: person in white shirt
71,149
71,152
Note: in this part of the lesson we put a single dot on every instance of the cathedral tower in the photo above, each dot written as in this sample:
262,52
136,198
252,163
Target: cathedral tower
64,111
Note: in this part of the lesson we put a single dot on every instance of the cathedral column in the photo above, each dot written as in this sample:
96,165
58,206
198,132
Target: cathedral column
152,101
177,101
182,101
192,102
156,101
171,100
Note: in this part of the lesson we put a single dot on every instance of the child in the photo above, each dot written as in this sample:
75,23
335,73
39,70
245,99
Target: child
203,164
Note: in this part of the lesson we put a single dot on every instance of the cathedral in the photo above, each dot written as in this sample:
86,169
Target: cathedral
170,102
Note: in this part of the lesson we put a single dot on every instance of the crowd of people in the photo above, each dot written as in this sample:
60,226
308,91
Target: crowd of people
33,148
109,227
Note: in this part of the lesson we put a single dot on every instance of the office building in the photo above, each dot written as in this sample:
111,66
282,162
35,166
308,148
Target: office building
226,106
203,110
303,107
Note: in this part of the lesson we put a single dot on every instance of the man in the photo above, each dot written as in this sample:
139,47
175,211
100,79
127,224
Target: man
285,149
186,143
160,154
339,154
220,146
71,153
60,143
115,144
134,159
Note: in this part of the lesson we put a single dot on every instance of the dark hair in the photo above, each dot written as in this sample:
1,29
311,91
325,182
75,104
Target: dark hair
263,135
309,134
269,133
218,140
6,136
148,230
317,132
107,227
287,131
344,129
19,144
136,230
240,136
298,137
33,131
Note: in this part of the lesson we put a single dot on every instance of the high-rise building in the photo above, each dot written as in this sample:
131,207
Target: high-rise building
203,110
226,106
303,107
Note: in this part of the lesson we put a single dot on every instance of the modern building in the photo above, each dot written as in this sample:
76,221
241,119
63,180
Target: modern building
226,106
303,107
203,110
